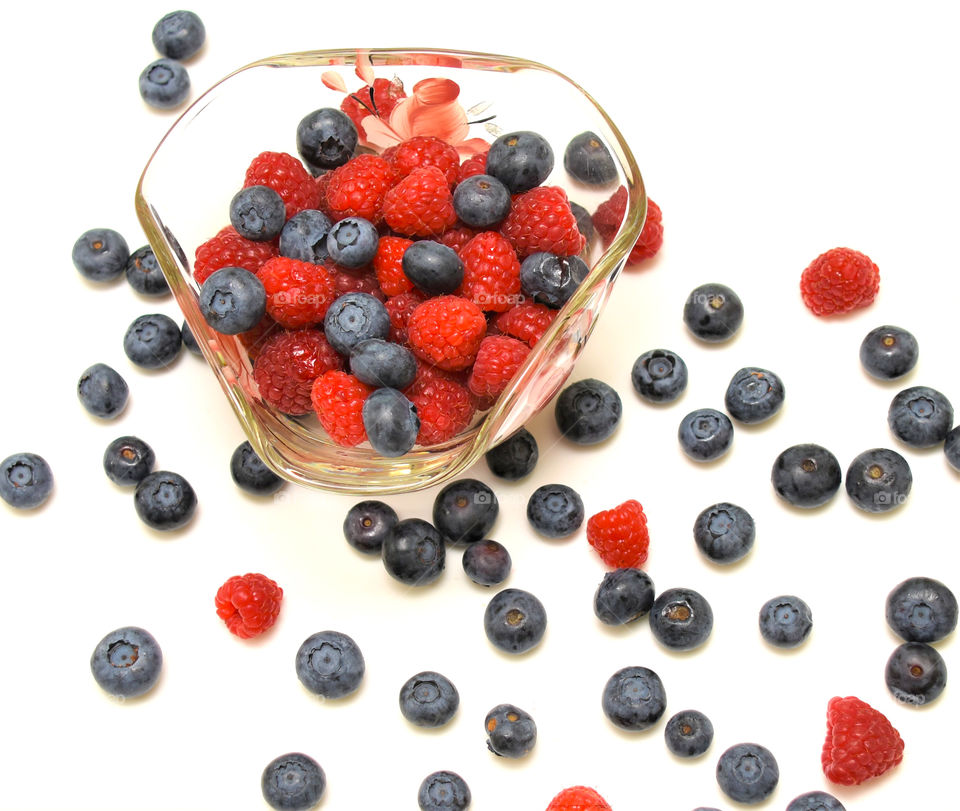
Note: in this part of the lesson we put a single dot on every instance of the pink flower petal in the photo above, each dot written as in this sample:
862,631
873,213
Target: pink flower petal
379,133
364,68
334,81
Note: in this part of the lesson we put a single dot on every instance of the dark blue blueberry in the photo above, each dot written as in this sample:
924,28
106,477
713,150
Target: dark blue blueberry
232,300
127,460
26,480
555,510
326,138
352,242
465,510
889,352
443,791
367,524
391,422
550,279
428,699
588,160
515,621
103,391
164,84
659,376
144,274
511,732
584,221
258,213
806,475
481,201
414,552
434,268
689,733
724,532
920,416
486,562
251,474
179,34
520,160
293,782
152,341
748,773
381,363
754,395
951,448
127,662
304,237
705,434
165,500
515,457
785,621
921,609
634,698
588,411
355,317
624,595
189,339
713,312
330,664
915,674
100,254
815,801
681,619
878,480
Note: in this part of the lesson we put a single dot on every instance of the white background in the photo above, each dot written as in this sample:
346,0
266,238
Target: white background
767,136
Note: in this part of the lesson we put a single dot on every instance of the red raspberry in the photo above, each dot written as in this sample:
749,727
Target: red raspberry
400,309
388,265
323,181
338,399
446,331
357,188
578,798
861,743
229,249
287,365
838,281
541,220
426,150
444,407
287,177
378,100
298,293
620,535
253,339
248,604
491,272
474,165
457,237
350,281
608,216
527,321
420,205
498,360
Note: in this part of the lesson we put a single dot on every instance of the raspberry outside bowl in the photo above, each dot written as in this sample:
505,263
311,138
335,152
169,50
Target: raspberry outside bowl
184,194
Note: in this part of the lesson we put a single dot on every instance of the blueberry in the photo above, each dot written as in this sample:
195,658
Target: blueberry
520,160
815,801
26,480
179,34
100,254
126,663
367,524
164,500
428,699
921,609
304,237
754,395
152,341
391,422
688,733
352,242
164,84
434,268
250,473
465,510
443,791
511,732
659,376
878,480
588,160
681,619
584,221
326,138
481,201
713,312
355,317
381,363
127,460
555,510
785,621
515,457
889,352
806,475
748,773
515,621
144,274
951,447
624,595
102,391
724,532
189,339
634,698
232,300
414,552
920,416
330,664
705,434
588,411
258,213
549,279
915,674
293,782
486,562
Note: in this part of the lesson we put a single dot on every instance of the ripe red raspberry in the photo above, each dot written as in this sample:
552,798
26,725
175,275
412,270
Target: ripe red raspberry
388,265
527,321
254,339
491,272
620,535
457,237
338,399
420,205
350,281
229,249
298,293
357,188
444,406
400,309
839,281
323,181
378,99
861,743
248,604
284,174
498,360
446,331
287,365
474,165
578,798
426,150
608,216
541,220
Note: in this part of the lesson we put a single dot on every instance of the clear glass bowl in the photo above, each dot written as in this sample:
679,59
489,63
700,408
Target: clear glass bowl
184,194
